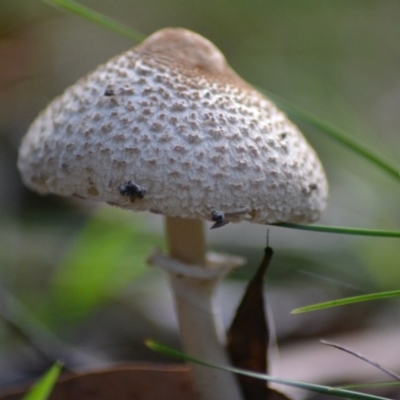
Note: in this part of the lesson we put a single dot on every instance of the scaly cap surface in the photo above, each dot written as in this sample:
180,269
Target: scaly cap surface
170,128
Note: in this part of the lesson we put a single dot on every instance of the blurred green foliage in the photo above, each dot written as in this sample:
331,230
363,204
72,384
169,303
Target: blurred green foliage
107,255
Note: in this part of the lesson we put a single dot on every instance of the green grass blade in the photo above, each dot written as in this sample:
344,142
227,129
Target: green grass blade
341,230
347,300
42,389
337,134
343,393
372,385
87,13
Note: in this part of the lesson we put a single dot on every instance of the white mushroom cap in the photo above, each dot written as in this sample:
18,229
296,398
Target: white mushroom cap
171,117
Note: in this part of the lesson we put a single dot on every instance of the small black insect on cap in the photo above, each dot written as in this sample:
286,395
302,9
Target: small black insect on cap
219,218
132,190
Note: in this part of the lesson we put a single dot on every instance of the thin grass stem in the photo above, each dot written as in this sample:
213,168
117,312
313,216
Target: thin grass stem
341,230
343,393
87,13
337,134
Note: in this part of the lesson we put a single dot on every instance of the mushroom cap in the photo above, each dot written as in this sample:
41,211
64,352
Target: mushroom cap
171,118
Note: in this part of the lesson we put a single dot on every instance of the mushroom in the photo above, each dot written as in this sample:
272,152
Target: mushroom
168,127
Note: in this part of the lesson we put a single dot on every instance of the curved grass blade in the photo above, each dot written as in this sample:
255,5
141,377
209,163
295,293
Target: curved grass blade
363,358
87,13
343,393
340,230
347,300
337,134
42,389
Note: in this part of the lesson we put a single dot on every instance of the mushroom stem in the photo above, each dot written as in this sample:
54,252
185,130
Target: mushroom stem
185,240
201,331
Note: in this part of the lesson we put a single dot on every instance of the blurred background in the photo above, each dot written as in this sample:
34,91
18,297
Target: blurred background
73,278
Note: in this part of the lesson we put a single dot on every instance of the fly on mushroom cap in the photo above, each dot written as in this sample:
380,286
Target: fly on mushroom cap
170,128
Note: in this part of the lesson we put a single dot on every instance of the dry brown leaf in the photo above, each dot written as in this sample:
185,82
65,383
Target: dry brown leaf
138,382
248,337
